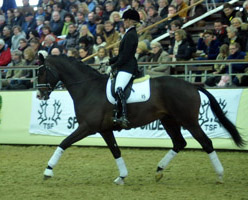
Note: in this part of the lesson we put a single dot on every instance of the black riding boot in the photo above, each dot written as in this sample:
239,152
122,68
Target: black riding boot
121,97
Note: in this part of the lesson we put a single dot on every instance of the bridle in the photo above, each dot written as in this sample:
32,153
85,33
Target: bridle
47,85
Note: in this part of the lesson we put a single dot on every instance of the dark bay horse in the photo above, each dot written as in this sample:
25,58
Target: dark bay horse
174,102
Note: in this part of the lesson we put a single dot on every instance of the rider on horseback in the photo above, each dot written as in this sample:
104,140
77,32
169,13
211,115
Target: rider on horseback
125,63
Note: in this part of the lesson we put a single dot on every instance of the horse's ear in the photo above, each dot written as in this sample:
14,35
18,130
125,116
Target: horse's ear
42,55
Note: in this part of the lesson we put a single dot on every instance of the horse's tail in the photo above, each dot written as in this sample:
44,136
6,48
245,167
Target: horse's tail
229,126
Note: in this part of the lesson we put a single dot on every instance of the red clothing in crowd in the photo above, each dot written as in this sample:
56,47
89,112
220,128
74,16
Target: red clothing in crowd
5,56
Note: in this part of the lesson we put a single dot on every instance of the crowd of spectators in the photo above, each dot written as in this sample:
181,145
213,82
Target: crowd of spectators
80,28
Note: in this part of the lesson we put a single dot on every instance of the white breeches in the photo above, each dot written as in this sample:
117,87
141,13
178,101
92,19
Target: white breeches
122,80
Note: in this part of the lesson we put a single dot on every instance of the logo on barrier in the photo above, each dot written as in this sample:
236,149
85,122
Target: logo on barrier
49,118
207,120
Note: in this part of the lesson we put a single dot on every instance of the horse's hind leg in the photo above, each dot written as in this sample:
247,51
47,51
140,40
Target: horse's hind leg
77,135
207,146
112,144
173,130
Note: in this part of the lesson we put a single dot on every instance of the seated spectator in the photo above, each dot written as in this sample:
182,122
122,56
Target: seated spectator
35,45
152,18
2,24
180,5
56,51
18,34
59,8
158,55
16,61
33,34
99,29
136,5
18,17
23,44
48,14
244,13
40,12
72,37
74,9
26,8
5,55
142,55
163,8
68,20
220,31
84,9
232,34
102,57
72,52
91,23
10,17
29,23
110,34
84,53
218,68
195,11
163,27
148,3
39,24
46,30
80,20
115,51
181,50
86,37
235,53
209,45
228,13
50,43
115,18
124,5
99,42
56,24
7,34
99,10
109,8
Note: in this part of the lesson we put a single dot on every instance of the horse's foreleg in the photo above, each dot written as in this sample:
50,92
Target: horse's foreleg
77,135
112,144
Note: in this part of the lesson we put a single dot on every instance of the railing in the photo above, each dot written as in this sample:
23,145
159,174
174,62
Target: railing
187,67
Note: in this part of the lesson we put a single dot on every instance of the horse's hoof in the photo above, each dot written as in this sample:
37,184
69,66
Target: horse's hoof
119,181
46,177
48,173
159,175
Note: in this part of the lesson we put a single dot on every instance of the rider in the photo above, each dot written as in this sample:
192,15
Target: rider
125,63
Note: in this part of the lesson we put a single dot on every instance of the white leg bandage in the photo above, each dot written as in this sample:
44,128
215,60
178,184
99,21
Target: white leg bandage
55,158
166,159
216,163
121,166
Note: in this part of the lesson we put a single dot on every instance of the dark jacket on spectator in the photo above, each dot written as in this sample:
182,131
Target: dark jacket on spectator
212,50
221,36
56,27
71,40
237,68
184,51
18,21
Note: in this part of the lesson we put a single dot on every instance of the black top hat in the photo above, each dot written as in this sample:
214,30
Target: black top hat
131,14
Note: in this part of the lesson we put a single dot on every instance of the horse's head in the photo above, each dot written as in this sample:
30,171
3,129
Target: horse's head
47,77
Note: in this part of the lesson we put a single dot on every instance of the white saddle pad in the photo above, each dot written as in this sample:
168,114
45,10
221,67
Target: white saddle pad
140,92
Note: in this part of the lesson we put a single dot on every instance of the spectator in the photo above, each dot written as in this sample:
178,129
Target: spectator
72,38
84,53
115,18
46,30
209,45
50,43
80,21
228,13
23,44
163,8
40,12
109,8
244,13
35,45
7,34
10,17
72,52
68,20
99,29
181,50
16,61
136,5
2,24
158,55
56,51
84,9
142,55
56,23
111,36
58,7
5,55
218,68
18,17
91,23
235,53
180,5
115,51
74,9
40,23
48,15
149,3
153,17
195,11
99,42
99,10
102,57
86,34
26,8
33,34
220,31
18,34
29,23
91,5
124,5
69,3
232,34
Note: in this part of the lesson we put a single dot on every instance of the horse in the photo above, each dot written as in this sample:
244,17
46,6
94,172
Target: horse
173,101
